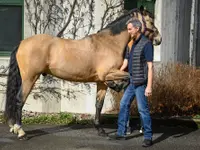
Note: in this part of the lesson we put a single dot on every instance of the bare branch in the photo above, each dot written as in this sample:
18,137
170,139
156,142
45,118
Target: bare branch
69,19
110,12
91,10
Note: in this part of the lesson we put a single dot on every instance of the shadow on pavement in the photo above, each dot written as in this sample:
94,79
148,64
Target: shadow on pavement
167,128
173,128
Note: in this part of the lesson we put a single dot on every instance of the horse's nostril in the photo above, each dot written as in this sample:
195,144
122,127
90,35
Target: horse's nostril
158,41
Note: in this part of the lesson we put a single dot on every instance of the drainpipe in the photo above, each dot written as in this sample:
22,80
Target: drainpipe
193,33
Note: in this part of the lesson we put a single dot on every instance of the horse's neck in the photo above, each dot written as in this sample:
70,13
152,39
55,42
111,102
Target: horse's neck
121,40
118,42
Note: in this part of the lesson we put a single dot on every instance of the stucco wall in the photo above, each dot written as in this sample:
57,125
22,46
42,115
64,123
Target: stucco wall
175,27
172,17
198,36
68,96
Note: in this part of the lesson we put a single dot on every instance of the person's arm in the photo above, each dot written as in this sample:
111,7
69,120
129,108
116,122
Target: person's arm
126,57
148,90
148,53
124,65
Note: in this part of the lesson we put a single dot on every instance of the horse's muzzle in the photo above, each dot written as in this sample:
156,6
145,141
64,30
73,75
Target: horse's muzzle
118,85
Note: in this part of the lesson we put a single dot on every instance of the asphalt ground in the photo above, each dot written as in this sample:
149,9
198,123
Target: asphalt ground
84,137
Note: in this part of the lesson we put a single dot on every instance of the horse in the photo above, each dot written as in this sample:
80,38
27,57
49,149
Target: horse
94,58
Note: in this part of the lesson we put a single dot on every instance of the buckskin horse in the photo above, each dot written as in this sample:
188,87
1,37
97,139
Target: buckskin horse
94,58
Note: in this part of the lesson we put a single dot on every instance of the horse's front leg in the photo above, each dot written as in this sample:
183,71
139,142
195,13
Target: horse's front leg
101,92
117,80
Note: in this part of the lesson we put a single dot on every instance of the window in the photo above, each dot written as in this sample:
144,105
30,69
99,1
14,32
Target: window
130,4
11,17
148,4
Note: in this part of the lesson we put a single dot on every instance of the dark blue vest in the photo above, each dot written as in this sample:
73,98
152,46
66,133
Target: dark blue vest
139,70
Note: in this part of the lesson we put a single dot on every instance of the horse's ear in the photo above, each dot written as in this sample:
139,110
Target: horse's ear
141,8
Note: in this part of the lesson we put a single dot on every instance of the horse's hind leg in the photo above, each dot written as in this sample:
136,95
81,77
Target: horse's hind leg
101,92
27,84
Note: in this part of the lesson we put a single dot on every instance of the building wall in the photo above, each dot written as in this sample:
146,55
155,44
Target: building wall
3,61
174,16
183,24
74,97
198,36
158,19
67,96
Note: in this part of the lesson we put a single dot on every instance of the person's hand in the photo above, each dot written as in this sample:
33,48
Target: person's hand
148,91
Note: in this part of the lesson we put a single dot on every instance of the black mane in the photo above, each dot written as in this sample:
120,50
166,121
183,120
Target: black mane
119,25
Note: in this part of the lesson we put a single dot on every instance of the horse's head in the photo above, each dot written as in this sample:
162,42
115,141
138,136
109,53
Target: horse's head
145,17
149,28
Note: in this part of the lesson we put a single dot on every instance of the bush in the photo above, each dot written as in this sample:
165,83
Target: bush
176,92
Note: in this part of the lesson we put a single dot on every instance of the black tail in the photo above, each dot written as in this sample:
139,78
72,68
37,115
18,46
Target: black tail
13,87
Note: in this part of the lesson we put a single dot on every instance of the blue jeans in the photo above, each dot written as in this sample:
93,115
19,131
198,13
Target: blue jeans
143,108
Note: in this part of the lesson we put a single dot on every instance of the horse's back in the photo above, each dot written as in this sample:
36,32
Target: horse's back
37,39
64,58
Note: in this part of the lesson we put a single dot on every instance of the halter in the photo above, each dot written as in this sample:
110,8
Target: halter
145,27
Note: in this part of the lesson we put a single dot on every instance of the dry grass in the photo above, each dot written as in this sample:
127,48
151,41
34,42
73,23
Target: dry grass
176,92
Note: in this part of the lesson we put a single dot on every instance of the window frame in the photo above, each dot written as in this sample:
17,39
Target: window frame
138,3
13,3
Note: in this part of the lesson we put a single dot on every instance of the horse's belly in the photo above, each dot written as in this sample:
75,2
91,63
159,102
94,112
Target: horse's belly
75,74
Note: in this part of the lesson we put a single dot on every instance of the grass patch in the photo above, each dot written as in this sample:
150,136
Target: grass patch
69,119
61,118
2,120
54,119
196,117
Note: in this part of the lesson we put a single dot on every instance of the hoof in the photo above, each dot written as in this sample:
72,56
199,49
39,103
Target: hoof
12,130
102,133
23,137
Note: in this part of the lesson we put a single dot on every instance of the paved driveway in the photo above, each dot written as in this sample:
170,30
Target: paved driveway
84,137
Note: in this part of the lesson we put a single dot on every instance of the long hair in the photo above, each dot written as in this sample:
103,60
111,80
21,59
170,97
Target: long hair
14,82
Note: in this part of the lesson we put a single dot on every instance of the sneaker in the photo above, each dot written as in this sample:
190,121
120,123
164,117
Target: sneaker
116,137
128,131
141,129
147,143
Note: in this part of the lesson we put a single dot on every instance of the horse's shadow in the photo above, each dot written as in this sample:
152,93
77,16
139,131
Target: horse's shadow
166,129
106,123
56,129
